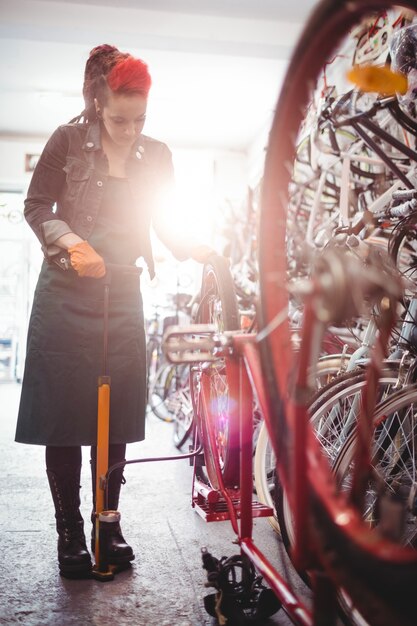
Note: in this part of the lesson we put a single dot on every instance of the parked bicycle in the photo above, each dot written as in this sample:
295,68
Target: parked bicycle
367,567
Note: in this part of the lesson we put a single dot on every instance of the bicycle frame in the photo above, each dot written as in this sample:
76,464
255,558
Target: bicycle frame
246,353
301,465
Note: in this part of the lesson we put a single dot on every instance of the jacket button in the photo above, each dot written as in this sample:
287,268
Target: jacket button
138,155
89,144
99,183
89,218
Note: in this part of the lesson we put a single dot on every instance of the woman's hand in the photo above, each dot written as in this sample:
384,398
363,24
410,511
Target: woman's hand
85,260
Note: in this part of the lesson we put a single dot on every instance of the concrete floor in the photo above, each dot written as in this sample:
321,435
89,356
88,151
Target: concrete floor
165,586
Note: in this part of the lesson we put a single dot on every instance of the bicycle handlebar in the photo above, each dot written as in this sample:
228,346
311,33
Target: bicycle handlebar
404,209
399,210
402,195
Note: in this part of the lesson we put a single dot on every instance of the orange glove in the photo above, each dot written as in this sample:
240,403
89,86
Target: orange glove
85,260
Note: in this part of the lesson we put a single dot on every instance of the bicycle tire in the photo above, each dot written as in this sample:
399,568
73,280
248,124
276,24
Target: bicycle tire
183,425
159,392
217,277
392,426
195,394
219,383
340,391
402,245
347,552
385,416
264,475
264,459
181,436
153,348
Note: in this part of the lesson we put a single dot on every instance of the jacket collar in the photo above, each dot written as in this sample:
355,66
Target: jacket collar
93,137
93,142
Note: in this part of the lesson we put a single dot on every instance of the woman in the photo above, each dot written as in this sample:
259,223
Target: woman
97,187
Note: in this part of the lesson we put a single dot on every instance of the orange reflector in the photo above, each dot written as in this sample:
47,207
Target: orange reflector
379,79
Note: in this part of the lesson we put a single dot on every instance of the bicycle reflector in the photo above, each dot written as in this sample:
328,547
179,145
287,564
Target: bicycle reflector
378,79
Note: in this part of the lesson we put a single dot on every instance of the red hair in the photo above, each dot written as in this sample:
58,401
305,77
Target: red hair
108,68
129,75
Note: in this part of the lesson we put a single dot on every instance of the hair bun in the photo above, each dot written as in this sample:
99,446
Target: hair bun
99,63
104,48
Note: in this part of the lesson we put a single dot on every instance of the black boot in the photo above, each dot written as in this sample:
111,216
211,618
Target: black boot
73,557
113,546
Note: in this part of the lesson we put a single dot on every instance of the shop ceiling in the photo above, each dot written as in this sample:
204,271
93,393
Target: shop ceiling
217,65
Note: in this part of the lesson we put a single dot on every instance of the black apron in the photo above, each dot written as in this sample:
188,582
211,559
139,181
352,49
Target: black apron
58,404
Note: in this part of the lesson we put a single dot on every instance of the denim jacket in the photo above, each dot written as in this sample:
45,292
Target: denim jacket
69,180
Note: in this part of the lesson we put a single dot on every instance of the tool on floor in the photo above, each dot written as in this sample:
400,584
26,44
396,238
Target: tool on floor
102,570
240,597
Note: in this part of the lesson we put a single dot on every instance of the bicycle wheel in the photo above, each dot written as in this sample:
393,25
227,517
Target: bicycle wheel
394,464
162,401
379,575
184,415
264,471
195,396
334,408
219,384
153,349
265,461
403,246
333,413
390,504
